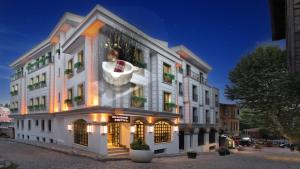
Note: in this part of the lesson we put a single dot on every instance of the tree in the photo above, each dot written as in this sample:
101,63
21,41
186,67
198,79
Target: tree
261,83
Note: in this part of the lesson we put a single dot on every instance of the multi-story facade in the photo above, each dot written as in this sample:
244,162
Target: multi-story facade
230,119
98,82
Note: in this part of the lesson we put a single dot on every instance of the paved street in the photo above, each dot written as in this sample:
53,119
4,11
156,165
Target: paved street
30,157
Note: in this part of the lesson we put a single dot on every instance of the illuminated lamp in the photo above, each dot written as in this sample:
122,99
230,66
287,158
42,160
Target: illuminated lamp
103,129
70,127
150,129
175,128
90,128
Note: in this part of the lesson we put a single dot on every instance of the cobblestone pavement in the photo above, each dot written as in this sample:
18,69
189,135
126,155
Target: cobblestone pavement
30,157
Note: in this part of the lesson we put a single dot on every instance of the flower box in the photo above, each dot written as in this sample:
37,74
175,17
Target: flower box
79,100
138,101
140,152
69,102
168,77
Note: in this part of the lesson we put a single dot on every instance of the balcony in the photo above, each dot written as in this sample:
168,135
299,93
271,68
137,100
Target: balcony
79,100
207,101
14,93
69,73
168,107
37,85
42,62
138,101
69,102
197,77
14,110
79,66
168,78
16,76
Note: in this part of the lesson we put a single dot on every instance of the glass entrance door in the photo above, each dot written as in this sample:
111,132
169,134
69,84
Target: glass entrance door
114,134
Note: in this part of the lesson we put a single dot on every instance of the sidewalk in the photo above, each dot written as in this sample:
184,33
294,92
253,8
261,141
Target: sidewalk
79,152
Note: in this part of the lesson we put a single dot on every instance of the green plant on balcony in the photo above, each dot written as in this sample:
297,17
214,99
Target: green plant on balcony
138,101
169,106
140,64
30,107
78,98
29,66
30,87
168,77
36,85
42,106
13,93
68,71
78,65
69,102
42,83
36,107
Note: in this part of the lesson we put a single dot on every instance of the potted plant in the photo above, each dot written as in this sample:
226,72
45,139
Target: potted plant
140,152
192,154
138,101
223,151
69,102
69,73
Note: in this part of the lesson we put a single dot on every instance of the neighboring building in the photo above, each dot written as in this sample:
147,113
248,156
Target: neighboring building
252,133
285,18
230,119
5,120
98,83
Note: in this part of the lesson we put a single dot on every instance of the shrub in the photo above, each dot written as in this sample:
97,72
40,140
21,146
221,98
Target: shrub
139,144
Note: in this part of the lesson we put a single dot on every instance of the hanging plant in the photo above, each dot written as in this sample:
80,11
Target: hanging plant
78,65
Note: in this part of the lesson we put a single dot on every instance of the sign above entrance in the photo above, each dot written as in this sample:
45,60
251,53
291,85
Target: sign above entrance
119,119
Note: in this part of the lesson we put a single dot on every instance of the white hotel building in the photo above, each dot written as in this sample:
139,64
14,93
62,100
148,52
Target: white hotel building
66,90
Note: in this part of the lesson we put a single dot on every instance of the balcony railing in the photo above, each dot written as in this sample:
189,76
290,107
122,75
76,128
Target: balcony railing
14,110
79,100
42,62
168,107
197,77
138,101
14,93
16,76
37,85
38,107
168,77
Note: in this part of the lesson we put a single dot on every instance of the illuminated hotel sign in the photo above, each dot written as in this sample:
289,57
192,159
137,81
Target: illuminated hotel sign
119,119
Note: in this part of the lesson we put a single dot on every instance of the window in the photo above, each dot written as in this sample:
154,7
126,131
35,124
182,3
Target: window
22,124
206,97
18,124
207,115
37,101
167,76
180,112
58,72
43,100
195,95
201,137
167,102
36,122
43,125
29,124
217,117
36,80
162,132
216,100
49,125
188,70
139,130
70,64
58,97
180,89
201,77
80,90
70,94
80,132
137,96
195,115
31,81
43,78
81,57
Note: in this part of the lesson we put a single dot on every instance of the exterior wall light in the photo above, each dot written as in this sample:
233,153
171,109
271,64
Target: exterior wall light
70,127
175,128
150,129
132,129
103,129
90,128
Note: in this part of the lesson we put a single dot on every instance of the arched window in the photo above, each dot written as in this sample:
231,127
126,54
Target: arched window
80,132
162,132
139,130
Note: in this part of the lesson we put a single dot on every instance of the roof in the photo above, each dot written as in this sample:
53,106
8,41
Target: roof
67,18
192,58
278,18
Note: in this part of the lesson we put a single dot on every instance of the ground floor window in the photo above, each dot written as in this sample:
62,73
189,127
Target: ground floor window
139,130
80,132
162,132
212,136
